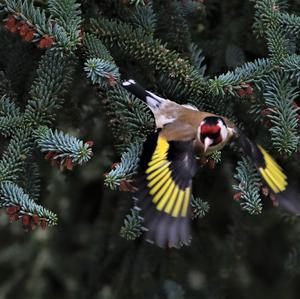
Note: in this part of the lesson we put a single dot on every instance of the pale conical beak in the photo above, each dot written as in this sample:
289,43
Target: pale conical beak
207,143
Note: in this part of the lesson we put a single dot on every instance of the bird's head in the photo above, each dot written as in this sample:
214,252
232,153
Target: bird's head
212,131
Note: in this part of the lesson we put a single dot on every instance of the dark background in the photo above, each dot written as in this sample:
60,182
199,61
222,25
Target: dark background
232,255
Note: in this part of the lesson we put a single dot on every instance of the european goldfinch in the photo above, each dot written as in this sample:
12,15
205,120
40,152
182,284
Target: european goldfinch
168,164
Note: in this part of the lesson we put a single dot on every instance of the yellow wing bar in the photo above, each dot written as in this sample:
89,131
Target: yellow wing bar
165,191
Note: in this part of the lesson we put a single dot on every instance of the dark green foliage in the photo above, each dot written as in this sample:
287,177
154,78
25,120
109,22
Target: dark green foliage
145,18
13,195
197,52
44,102
132,228
199,207
143,47
280,95
126,169
63,145
248,187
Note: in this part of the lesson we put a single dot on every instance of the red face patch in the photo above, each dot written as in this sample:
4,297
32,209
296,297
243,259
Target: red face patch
209,129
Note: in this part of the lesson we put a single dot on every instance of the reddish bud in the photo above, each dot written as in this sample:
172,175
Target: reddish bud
11,24
241,92
115,165
55,163
127,186
13,29
265,191
249,89
12,210
43,224
211,163
36,219
11,21
69,164
26,220
266,112
90,143
42,44
23,29
46,42
29,36
81,34
274,200
50,155
13,217
111,80
237,196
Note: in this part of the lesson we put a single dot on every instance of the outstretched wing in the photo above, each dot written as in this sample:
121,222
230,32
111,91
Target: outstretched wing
164,184
272,174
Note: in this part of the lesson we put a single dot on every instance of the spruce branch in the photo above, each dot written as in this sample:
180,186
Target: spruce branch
104,73
8,124
94,48
67,14
8,107
133,226
248,186
17,152
30,180
32,15
199,207
267,16
174,16
12,195
62,31
247,73
99,66
126,169
291,66
279,97
197,58
130,119
144,17
278,45
143,47
290,23
47,89
63,146
138,2
10,117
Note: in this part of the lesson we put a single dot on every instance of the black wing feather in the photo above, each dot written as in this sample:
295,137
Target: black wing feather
166,217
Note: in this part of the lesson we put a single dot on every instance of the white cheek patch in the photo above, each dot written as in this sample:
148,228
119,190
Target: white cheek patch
224,131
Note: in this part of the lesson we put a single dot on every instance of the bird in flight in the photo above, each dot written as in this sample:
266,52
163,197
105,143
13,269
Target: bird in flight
169,161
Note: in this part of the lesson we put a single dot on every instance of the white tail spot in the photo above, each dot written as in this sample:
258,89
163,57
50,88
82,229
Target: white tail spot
129,82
